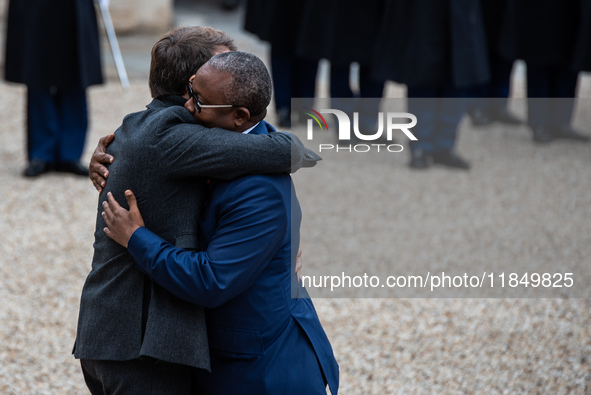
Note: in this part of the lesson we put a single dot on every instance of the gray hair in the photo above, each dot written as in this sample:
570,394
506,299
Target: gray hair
251,85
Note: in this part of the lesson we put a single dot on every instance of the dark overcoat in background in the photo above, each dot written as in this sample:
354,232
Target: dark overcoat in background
493,13
582,53
430,43
540,32
342,31
276,22
53,43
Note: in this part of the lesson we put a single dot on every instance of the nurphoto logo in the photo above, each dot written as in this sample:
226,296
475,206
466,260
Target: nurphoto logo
351,139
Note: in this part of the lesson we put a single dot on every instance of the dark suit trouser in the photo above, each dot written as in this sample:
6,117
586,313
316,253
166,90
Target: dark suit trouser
340,84
500,81
551,92
367,99
292,76
57,121
438,112
143,376
492,97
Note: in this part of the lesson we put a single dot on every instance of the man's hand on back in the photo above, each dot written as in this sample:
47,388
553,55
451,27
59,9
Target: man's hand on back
121,223
99,161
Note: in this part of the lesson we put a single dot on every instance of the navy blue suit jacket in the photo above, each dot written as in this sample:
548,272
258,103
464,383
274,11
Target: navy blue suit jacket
264,334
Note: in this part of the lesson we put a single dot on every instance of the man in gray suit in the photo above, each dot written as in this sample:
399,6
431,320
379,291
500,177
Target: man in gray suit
134,336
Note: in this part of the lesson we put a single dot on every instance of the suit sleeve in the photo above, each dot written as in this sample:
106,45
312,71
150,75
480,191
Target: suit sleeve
251,227
189,150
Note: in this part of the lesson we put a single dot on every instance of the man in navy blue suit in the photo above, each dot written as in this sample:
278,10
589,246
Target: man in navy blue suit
263,331
53,48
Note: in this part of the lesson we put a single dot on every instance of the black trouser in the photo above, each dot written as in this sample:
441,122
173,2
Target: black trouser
292,76
145,376
551,91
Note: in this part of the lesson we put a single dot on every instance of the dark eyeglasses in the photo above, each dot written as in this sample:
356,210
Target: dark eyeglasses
199,105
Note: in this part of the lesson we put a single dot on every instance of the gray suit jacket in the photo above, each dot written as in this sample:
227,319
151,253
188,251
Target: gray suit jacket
163,156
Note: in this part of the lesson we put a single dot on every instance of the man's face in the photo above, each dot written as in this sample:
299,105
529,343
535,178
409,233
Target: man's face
208,85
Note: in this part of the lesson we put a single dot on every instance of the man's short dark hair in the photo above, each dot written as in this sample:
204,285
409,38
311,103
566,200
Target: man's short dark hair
251,85
179,53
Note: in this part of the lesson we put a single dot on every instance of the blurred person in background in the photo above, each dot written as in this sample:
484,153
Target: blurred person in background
582,55
495,93
53,48
230,4
549,36
438,49
278,23
342,31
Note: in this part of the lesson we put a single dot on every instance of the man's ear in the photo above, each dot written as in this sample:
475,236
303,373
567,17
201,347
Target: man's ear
241,116
186,95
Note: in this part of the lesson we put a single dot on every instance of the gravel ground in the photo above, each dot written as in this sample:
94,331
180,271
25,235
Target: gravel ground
521,204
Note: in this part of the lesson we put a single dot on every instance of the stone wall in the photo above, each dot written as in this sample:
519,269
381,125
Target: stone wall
129,16
134,16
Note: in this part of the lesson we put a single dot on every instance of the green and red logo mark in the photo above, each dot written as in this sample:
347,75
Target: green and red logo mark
317,117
